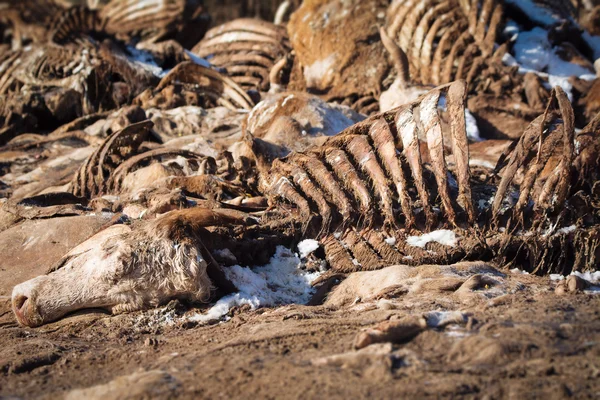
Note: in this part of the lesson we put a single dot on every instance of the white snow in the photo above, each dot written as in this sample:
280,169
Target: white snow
197,59
481,163
145,60
334,121
567,229
390,240
541,15
439,319
593,277
593,42
442,236
224,253
472,129
307,246
519,271
534,53
544,16
279,282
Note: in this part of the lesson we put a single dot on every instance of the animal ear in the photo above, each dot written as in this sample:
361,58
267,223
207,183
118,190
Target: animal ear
61,263
264,152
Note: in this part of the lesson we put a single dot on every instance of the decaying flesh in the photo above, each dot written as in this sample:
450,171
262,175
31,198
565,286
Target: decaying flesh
365,191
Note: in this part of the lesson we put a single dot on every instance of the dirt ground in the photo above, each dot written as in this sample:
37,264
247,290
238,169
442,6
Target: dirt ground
529,343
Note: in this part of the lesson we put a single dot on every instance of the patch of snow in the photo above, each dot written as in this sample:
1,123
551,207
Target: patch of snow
390,240
145,60
541,15
567,229
334,121
472,129
534,53
279,282
511,29
197,59
442,236
439,319
593,277
481,163
593,42
224,253
442,104
544,16
456,332
307,246
519,271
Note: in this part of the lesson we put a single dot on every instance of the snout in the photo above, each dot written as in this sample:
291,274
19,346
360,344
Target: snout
24,307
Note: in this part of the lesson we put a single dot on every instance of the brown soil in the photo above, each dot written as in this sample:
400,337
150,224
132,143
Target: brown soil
528,344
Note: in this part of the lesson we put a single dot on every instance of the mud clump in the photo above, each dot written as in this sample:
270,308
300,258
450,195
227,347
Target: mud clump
338,51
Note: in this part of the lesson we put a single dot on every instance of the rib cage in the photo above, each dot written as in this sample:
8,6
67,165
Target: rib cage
74,22
365,190
216,88
444,40
248,49
376,154
92,177
153,20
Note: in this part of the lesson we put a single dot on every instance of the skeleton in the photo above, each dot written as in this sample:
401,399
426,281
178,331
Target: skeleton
362,194
366,190
80,66
441,41
146,20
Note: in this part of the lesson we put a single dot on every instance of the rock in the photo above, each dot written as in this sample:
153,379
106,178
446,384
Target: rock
147,384
560,289
576,284
398,331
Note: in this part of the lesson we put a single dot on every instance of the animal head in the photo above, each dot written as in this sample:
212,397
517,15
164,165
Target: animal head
118,270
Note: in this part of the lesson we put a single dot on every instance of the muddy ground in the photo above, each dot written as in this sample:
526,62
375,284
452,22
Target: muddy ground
529,343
